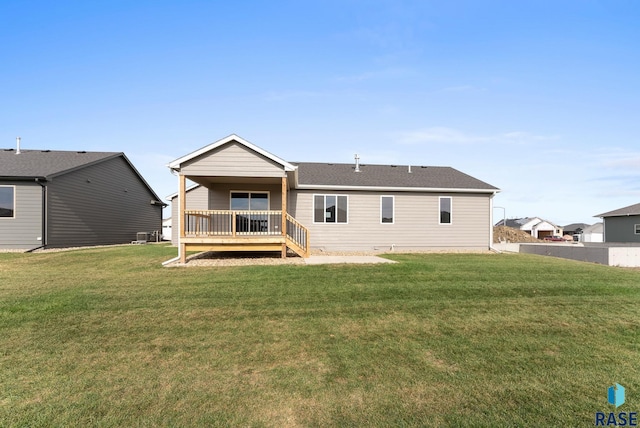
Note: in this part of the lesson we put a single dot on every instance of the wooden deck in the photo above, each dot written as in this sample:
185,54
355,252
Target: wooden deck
227,230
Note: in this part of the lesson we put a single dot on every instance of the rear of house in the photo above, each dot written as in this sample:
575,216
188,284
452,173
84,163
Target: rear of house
247,196
67,199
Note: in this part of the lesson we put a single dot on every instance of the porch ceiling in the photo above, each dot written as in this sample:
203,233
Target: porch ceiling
209,181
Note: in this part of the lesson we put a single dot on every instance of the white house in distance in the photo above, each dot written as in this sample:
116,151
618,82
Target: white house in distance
535,226
247,199
166,229
593,233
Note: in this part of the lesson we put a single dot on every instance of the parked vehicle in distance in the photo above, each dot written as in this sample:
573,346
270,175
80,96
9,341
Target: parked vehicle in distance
553,238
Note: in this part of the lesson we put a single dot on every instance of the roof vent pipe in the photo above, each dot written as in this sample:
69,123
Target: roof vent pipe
357,163
18,145
409,171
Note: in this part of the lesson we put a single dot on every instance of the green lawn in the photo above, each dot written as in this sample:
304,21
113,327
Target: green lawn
108,337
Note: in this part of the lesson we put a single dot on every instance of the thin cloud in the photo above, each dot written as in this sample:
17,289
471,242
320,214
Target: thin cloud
383,74
287,95
463,88
455,136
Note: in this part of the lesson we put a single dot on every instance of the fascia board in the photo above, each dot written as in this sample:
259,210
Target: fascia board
395,189
175,165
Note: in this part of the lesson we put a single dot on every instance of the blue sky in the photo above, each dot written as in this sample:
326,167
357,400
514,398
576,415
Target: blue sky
539,98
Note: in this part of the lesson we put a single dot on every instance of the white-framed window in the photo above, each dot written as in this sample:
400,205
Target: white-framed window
636,227
387,207
446,209
330,209
7,202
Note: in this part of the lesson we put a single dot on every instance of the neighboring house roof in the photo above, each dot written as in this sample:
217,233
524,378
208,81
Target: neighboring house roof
527,223
513,222
574,227
313,175
594,228
175,195
231,138
47,164
630,210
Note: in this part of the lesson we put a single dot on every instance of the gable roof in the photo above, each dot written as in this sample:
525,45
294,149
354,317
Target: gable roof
575,226
594,228
630,210
312,175
47,164
231,138
339,176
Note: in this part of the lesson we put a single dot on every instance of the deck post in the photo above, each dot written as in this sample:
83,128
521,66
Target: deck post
182,195
284,215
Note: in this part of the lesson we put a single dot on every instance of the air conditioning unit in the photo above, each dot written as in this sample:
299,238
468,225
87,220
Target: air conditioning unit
141,238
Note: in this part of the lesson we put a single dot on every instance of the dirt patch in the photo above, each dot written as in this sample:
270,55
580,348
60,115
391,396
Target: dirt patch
510,234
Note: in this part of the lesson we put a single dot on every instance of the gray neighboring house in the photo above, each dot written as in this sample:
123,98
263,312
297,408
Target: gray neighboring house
56,199
246,198
622,225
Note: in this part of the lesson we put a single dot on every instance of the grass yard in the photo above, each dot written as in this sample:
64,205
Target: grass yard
108,337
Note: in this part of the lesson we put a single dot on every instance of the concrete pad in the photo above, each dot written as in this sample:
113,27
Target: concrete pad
324,260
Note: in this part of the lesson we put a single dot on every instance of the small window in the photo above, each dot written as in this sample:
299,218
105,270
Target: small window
637,228
7,201
330,209
445,209
386,209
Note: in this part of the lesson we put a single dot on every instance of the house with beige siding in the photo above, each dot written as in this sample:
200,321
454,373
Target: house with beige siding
244,198
54,199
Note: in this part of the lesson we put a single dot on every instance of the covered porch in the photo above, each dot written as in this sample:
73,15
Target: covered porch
249,224
241,201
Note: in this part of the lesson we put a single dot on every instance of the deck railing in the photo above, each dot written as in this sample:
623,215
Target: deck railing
240,223
297,233
232,223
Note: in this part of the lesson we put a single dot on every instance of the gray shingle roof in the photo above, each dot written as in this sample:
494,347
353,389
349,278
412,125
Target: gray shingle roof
393,176
46,163
630,210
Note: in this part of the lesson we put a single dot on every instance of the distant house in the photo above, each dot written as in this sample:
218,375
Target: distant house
166,229
622,225
574,228
593,233
56,199
535,226
249,199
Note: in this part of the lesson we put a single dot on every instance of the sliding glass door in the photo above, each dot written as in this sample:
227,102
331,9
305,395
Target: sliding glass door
249,202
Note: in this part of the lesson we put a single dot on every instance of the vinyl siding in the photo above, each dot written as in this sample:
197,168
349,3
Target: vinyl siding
232,160
197,199
621,229
416,222
102,204
220,194
23,230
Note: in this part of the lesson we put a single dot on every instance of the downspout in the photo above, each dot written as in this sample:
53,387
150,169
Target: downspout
175,259
44,217
491,247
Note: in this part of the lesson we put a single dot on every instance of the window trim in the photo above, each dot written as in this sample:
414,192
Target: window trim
440,198
636,229
250,192
14,202
393,209
324,196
